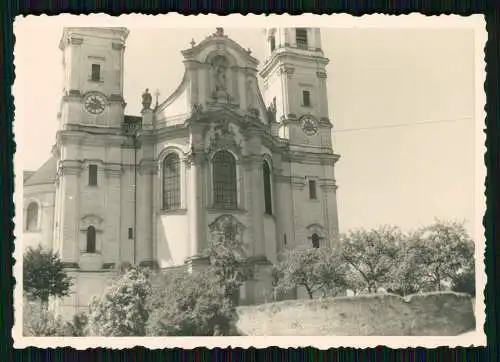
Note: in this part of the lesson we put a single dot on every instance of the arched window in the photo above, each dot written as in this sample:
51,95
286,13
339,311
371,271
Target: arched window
268,204
32,217
315,240
224,180
91,247
171,182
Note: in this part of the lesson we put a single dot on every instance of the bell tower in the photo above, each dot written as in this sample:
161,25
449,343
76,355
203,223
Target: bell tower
295,82
90,149
294,77
92,77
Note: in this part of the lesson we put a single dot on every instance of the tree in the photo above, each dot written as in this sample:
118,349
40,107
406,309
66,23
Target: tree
44,275
407,276
443,252
371,255
316,269
122,310
190,305
228,265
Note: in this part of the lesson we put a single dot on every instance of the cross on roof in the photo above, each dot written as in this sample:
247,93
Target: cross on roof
192,43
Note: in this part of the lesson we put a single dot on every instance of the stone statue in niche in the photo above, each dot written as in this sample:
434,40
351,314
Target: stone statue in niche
147,99
220,66
220,69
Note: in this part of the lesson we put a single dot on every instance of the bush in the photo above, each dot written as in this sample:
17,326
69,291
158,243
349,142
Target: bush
39,322
121,310
190,305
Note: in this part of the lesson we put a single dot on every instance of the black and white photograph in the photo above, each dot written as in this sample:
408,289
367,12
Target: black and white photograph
249,181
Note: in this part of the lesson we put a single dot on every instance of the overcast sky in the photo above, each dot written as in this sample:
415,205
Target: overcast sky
405,176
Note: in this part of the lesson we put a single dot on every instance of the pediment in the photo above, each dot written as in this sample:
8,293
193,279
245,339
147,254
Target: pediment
91,220
220,44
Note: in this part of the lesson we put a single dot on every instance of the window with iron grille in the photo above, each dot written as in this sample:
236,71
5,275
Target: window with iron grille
306,98
96,72
268,204
32,217
171,182
312,189
301,38
224,180
92,175
91,247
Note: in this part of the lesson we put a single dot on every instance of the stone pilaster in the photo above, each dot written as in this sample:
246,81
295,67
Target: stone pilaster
197,225
144,227
69,234
111,240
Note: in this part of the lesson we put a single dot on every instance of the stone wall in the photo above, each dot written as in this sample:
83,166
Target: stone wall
432,314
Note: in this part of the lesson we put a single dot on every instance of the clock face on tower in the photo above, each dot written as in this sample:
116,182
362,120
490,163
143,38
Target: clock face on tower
309,125
95,103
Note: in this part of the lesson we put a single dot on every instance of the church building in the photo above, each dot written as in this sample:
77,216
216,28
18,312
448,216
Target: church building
218,158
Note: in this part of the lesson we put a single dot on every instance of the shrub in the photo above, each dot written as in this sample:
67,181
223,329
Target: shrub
121,310
190,305
39,322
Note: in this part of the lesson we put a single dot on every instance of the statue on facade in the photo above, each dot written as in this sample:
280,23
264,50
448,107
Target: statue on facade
147,99
220,76
271,111
219,31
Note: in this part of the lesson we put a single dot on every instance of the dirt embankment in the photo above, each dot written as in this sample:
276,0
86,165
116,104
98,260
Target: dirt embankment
430,314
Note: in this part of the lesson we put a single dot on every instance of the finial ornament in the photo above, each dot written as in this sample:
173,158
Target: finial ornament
193,43
219,31
146,100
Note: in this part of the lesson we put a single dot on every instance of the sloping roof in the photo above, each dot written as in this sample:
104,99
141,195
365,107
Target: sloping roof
45,174
27,175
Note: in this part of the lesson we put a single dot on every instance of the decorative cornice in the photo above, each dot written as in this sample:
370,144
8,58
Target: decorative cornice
328,184
75,41
297,182
321,74
117,46
69,167
113,170
287,70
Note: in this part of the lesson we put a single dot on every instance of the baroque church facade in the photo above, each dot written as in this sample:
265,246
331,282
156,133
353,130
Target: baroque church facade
217,159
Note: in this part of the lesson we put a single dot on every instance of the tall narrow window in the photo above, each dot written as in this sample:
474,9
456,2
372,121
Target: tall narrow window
32,217
91,239
171,182
96,73
315,240
306,98
272,42
312,189
301,38
92,175
268,204
224,180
